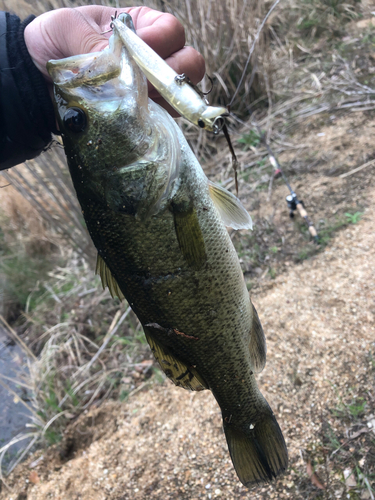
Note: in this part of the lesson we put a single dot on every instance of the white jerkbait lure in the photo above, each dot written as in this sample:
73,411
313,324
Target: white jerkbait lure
173,87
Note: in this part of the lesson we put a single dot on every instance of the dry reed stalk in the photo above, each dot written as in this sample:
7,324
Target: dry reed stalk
358,169
34,436
13,334
45,183
24,8
75,370
223,33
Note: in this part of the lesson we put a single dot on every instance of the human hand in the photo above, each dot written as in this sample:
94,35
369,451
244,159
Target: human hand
67,32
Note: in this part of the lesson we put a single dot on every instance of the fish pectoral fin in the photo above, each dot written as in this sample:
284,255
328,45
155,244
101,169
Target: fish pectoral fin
257,345
107,278
189,236
259,454
231,210
176,370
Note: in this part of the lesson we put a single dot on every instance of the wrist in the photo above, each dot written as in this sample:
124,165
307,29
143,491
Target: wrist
27,115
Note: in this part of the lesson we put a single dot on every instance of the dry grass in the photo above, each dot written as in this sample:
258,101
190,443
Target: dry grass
223,32
41,227
24,8
88,347
54,214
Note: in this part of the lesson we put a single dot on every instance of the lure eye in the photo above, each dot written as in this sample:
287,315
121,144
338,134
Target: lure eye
201,123
75,120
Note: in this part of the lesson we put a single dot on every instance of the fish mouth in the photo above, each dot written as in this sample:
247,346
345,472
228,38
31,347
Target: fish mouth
92,69
86,69
100,79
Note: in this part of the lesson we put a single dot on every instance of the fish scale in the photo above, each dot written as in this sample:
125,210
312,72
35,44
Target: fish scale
162,244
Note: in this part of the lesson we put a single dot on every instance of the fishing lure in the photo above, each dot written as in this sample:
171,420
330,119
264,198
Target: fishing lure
175,88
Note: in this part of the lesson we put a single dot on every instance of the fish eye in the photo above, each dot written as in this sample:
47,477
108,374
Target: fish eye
201,123
75,119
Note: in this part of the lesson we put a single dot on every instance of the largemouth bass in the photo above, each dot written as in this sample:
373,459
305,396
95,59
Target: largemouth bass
158,226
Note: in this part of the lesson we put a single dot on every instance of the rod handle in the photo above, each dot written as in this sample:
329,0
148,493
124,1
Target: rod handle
301,210
313,232
303,214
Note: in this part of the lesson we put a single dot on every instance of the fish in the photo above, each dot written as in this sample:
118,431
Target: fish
159,227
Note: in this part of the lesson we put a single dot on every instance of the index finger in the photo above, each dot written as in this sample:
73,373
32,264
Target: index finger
161,31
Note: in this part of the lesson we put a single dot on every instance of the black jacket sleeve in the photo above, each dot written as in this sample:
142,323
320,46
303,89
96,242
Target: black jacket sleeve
26,111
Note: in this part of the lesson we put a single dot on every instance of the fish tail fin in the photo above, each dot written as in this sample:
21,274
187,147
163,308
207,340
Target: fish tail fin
259,454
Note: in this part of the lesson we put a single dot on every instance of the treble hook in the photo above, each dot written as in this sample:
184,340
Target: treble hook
110,24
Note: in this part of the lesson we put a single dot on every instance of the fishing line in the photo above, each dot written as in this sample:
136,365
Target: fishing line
252,50
234,157
225,130
293,202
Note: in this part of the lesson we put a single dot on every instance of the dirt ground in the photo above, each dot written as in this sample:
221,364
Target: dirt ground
318,316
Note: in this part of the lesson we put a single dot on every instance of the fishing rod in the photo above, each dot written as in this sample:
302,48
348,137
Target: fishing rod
293,202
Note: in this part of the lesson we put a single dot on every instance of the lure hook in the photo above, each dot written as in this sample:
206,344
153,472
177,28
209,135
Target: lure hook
180,79
212,86
110,24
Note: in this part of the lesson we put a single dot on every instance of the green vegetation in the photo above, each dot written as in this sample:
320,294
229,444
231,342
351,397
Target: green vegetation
326,231
323,18
89,347
251,139
331,438
353,218
353,410
22,275
272,273
306,253
22,269
250,250
350,454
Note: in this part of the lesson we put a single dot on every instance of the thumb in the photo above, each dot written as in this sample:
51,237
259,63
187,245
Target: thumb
62,33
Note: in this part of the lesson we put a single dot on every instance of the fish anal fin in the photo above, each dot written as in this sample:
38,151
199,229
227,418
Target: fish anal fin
231,210
107,278
189,236
257,344
180,373
259,454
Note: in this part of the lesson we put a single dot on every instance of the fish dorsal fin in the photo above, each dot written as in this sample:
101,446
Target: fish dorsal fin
257,345
176,370
231,210
107,278
189,236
